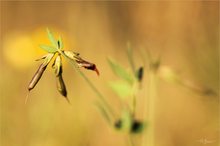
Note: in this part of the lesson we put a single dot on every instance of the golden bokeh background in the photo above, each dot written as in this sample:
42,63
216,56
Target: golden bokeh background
185,34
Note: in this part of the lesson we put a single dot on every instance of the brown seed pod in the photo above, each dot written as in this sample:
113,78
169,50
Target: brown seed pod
81,62
57,66
37,76
61,86
47,58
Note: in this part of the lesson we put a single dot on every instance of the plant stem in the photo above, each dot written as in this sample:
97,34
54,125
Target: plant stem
149,111
130,140
92,86
134,105
130,59
149,108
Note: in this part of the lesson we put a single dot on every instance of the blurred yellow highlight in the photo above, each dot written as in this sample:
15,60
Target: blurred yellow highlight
20,49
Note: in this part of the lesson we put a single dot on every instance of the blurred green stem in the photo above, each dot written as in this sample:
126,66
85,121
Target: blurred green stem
134,105
130,58
131,142
152,84
101,97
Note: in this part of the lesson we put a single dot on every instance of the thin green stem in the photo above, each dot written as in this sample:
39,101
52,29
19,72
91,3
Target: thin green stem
134,105
101,97
149,136
130,140
149,108
130,59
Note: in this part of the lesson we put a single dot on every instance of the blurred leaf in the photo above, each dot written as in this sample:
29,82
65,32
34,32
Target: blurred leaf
52,38
126,120
60,43
103,111
120,71
49,49
121,88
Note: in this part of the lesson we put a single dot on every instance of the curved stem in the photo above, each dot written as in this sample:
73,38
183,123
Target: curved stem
101,97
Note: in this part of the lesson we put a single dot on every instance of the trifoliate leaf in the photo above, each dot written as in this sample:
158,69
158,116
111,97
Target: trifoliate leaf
120,71
49,49
52,38
121,88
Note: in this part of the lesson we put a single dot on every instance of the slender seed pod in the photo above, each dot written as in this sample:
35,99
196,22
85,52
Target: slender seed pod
37,76
61,86
57,66
40,71
59,79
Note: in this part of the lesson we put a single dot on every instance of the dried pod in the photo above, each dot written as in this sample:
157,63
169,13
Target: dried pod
80,62
88,65
61,85
57,65
40,71
37,76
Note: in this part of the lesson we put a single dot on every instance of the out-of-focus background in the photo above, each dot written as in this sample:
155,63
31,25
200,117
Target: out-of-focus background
184,34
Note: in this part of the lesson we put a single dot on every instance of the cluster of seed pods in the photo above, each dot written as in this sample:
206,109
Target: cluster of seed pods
58,69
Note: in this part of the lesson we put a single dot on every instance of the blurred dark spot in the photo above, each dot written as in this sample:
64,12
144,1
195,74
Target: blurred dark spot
155,65
118,124
140,73
137,126
58,42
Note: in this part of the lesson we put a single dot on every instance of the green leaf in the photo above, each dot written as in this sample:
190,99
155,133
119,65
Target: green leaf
61,42
49,49
121,88
120,71
52,38
126,120
103,111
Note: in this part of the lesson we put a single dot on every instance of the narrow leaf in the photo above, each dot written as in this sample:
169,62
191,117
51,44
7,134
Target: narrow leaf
49,49
121,88
61,42
52,38
120,71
